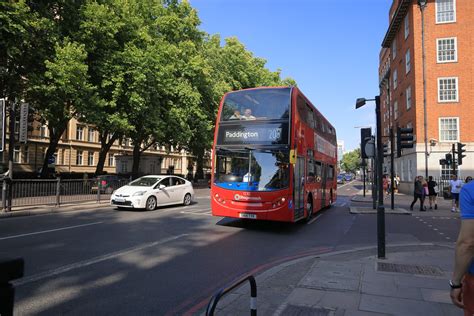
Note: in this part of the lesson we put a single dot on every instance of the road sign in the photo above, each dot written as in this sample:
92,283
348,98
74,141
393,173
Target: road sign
2,124
23,123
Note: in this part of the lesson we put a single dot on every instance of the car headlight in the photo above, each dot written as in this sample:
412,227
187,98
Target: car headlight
139,193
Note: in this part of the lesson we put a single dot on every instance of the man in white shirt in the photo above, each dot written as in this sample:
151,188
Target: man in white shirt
455,185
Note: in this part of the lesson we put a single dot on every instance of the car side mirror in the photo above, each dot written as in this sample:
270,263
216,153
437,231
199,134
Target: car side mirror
161,186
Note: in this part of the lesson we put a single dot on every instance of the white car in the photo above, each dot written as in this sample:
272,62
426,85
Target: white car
151,191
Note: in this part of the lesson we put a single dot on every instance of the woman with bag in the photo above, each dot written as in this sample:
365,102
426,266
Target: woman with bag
432,192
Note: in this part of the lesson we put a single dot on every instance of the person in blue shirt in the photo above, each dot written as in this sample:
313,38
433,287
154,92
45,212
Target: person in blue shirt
462,282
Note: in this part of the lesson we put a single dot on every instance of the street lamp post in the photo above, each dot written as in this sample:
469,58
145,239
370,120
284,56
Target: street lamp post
422,4
380,208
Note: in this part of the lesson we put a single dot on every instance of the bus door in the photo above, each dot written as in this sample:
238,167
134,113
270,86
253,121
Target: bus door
298,187
324,178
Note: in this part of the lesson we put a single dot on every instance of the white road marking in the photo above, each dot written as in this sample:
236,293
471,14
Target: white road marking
49,231
312,221
85,263
203,212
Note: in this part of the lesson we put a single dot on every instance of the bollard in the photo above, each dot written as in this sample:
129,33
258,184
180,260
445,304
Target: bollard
4,196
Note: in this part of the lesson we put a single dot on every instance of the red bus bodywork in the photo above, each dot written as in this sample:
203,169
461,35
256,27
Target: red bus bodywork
312,164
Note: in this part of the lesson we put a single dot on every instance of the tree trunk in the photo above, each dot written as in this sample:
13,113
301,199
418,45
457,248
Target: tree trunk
199,165
104,149
55,135
136,159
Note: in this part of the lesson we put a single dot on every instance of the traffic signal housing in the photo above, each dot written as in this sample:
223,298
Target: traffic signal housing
385,150
460,152
404,139
365,136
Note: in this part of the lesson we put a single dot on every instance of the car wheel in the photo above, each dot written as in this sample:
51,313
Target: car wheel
187,199
150,203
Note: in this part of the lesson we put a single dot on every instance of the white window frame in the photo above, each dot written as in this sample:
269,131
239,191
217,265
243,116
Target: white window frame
456,90
79,132
440,131
91,135
407,25
90,158
408,97
25,155
437,3
395,79
79,158
407,61
17,154
111,160
438,40
43,131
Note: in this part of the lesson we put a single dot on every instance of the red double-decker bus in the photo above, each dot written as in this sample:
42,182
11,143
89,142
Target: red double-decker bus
274,156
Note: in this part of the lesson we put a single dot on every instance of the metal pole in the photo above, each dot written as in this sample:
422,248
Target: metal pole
374,191
380,208
453,161
425,120
11,149
392,171
363,173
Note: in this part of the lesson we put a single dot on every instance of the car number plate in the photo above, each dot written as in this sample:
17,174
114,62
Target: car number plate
119,200
247,215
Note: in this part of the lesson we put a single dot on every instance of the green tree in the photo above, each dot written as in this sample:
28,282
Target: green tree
351,161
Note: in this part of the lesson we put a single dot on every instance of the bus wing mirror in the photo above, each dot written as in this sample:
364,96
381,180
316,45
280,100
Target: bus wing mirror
292,156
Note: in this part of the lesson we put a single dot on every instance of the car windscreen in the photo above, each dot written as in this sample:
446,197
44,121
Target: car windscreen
145,182
257,104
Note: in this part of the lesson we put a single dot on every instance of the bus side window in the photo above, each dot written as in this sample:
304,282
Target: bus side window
331,172
318,169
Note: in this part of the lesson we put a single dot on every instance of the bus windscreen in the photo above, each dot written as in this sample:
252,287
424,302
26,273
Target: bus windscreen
252,170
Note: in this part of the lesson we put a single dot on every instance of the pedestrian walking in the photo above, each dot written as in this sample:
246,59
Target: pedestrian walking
462,282
396,182
432,193
455,184
418,193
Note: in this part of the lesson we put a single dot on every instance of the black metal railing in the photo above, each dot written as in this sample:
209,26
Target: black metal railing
211,307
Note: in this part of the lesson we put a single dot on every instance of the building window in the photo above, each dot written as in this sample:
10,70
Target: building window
79,158
79,132
43,131
407,26
448,89
448,129
447,171
395,79
408,96
16,154
407,62
445,11
395,110
447,50
90,135
124,167
111,160
394,49
90,158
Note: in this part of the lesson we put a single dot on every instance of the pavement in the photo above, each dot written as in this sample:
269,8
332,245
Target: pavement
411,280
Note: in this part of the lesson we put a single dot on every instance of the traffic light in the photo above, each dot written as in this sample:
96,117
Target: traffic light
365,136
404,139
385,150
460,152
449,159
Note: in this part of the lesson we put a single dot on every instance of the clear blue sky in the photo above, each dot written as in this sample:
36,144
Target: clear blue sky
331,48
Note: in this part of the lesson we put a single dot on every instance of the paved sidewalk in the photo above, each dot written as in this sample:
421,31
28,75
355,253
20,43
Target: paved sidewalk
413,280
355,283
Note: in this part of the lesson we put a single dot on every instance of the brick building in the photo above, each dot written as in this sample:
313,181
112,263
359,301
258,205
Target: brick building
444,106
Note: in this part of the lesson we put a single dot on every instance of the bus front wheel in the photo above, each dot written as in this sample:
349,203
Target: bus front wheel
309,206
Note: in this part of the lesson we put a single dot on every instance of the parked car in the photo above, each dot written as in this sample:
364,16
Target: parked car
148,192
348,177
108,183
341,179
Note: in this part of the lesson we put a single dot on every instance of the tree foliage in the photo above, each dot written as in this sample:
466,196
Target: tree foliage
139,69
351,161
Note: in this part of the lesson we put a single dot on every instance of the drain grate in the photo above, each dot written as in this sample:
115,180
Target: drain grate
409,269
293,310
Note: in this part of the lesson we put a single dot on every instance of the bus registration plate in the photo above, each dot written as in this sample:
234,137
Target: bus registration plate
247,215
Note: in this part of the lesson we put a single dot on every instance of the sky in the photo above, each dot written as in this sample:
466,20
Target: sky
330,47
